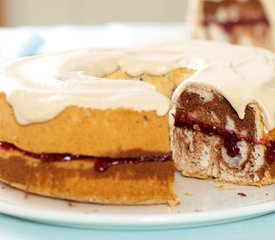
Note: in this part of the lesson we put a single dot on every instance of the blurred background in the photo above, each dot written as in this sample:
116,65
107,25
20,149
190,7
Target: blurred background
30,27
51,12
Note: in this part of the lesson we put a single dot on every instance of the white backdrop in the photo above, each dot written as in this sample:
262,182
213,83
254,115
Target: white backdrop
47,12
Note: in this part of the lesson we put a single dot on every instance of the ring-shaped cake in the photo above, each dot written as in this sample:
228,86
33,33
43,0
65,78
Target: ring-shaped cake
93,125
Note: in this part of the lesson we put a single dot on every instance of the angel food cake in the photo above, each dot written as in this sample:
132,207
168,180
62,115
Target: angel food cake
245,22
93,125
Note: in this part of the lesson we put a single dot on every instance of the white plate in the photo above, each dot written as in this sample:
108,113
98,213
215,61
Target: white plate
202,203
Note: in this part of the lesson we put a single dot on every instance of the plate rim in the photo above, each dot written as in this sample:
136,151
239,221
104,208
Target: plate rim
137,221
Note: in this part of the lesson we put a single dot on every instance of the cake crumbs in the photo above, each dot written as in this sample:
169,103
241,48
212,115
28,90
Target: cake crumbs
187,194
242,194
204,206
173,202
180,210
26,195
72,204
223,188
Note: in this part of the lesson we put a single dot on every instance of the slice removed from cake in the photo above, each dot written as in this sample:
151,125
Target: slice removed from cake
209,140
249,22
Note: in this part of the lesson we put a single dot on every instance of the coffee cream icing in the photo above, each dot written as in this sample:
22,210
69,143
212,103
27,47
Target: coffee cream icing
39,88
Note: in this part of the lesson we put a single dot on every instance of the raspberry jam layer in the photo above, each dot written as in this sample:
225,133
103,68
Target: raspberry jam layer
101,164
230,138
270,152
229,26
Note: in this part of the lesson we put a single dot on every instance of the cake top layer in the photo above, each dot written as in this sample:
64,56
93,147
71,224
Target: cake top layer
38,88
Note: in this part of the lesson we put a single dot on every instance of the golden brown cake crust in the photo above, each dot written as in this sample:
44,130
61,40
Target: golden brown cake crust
138,183
111,133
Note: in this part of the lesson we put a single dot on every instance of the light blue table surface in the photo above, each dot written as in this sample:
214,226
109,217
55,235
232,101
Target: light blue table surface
27,41
260,228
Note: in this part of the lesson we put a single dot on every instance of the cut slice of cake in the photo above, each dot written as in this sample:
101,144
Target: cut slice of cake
209,140
248,22
222,118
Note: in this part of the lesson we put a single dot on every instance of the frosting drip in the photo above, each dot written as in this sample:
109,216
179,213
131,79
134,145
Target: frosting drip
39,88
242,75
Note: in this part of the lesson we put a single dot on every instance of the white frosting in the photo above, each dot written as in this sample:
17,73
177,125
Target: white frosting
39,88
195,16
242,75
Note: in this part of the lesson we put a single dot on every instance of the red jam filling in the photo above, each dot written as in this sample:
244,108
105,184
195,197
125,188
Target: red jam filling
270,152
228,26
231,139
101,163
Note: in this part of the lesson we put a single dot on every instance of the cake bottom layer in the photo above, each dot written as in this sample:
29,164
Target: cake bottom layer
143,182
